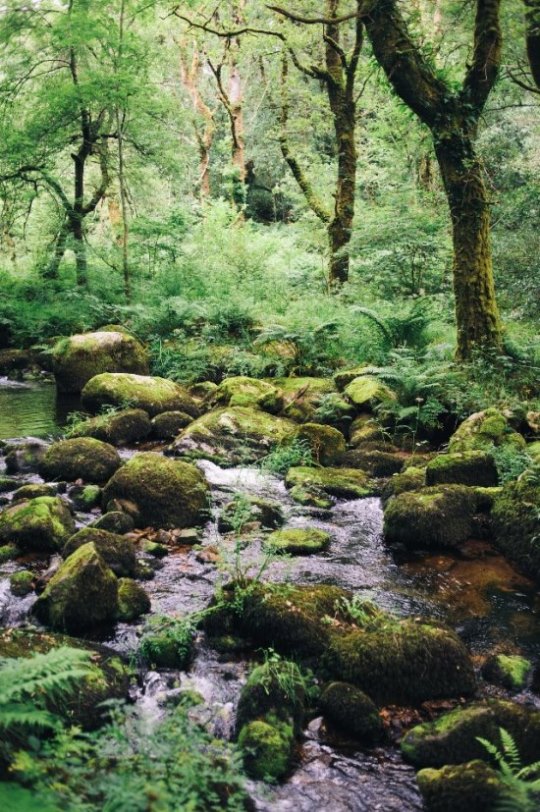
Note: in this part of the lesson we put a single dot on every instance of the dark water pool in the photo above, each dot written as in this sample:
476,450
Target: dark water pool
32,408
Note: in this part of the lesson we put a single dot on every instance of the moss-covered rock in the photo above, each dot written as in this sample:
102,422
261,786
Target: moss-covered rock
250,392
311,497
243,510
533,450
78,359
274,687
346,376
352,711
452,738
510,671
483,430
152,395
463,468
402,661
343,483
32,491
411,479
168,425
167,643
234,435
118,552
119,428
365,429
475,786
8,552
327,444
515,519
85,497
334,410
132,600
82,594
22,583
80,458
115,522
298,541
44,523
8,483
365,392
375,462
166,492
267,747
431,518
24,457
303,396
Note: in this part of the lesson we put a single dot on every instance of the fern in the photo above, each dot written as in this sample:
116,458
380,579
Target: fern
522,783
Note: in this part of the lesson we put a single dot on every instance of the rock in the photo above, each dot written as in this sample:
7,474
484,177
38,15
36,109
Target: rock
202,390
233,436
245,509
274,687
298,542
303,396
249,392
311,497
452,738
343,483
82,594
32,491
152,395
483,430
41,524
411,479
376,463
346,376
366,392
21,583
78,359
80,458
365,429
510,671
167,643
351,711
115,522
515,521
12,360
267,746
8,552
327,444
8,483
431,518
24,457
85,497
334,410
474,785
155,549
463,468
168,425
132,600
118,552
120,428
167,493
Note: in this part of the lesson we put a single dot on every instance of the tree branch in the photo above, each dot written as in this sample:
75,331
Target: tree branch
298,18
483,71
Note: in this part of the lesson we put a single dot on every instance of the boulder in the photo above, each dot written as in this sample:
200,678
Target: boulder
115,522
366,392
349,709
510,671
250,392
411,479
167,493
168,425
243,510
85,497
483,430
274,687
515,521
41,524
303,396
33,490
462,468
82,594
119,428
8,483
430,518
152,395
375,462
342,483
78,359
132,600
267,747
365,429
474,785
22,583
118,552
24,457
327,444
298,541
80,458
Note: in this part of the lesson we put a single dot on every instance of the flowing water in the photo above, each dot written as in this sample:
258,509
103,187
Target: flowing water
476,592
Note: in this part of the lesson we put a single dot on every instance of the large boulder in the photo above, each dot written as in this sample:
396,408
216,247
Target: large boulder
133,600
327,444
119,428
351,710
303,396
153,395
298,541
42,524
251,392
430,518
24,457
462,468
117,551
483,430
516,525
168,425
167,493
474,785
342,483
80,458
81,357
365,392
82,594
233,435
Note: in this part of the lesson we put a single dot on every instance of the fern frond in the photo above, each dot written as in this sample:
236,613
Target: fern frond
376,319
510,750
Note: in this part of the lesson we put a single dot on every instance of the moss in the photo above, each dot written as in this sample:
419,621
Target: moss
245,509
452,738
85,497
250,392
327,444
83,593
299,541
374,462
120,428
117,551
475,786
115,522
152,395
346,376
366,392
365,429
167,493
24,458
267,746
311,496
482,430
515,521
167,643
463,468
8,552
22,583
132,600
274,687
33,491
78,359
411,479
44,523
80,458
343,483
155,549
402,662
234,435
168,425
510,671
430,518
352,711
533,449
8,483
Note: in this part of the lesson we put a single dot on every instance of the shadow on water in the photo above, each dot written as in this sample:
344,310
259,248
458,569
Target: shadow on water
33,408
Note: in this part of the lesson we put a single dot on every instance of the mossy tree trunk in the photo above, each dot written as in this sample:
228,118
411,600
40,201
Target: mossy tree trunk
453,119
532,16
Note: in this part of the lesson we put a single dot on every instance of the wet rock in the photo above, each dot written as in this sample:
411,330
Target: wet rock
249,392
267,746
310,496
234,435
276,687
202,390
133,601
167,493
118,552
515,519
80,458
430,518
366,392
22,583
85,497
25,457
15,360
351,711
452,738
463,468
298,541
115,522
78,359
41,524
32,491
365,429
474,785
510,671
8,483
483,430
343,483
121,428
245,509
8,552
303,396
152,395
168,425
155,549
167,643
376,463
327,444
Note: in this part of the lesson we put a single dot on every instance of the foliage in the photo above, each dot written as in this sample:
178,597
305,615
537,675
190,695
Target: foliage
292,680
288,455
511,462
522,792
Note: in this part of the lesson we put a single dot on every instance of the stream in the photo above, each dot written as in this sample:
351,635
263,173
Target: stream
476,592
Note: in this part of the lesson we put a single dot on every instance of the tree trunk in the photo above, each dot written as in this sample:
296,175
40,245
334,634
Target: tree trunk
340,228
79,248
477,316
532,16
50,272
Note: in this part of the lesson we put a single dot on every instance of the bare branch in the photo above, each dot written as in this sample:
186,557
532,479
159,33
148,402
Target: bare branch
298,18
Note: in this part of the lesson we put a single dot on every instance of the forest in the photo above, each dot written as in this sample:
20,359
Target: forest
269,405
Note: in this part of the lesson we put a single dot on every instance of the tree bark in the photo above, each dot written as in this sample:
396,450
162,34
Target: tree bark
51,271
532,16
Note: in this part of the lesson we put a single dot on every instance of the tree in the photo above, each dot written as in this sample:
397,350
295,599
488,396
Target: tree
532,17
453,118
